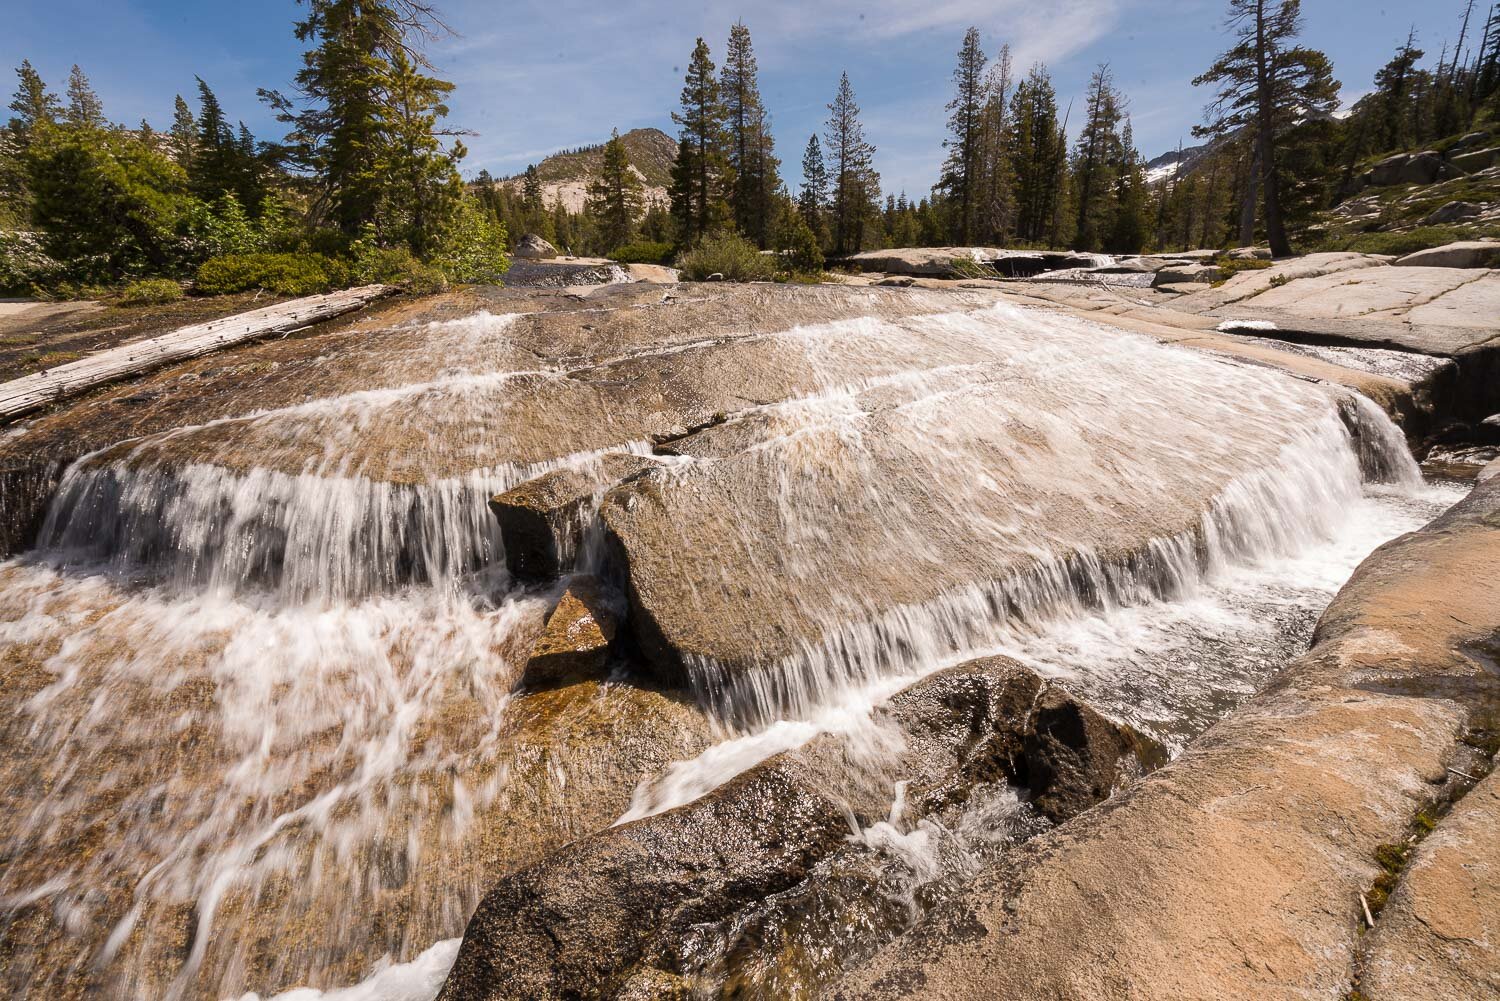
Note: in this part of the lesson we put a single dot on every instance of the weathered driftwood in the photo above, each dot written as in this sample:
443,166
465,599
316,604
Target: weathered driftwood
41,388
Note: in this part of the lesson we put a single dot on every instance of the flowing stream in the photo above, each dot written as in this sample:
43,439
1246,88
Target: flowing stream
260,715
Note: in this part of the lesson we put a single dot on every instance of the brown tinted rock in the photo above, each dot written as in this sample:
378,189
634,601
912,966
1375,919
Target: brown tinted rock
575,643
542,520
1439,934
1235,871
576,925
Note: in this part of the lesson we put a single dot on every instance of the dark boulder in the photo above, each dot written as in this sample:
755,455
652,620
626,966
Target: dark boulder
1075,757
1453,212
1410,168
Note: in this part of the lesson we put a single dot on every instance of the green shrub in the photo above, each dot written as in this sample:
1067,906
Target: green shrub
473,250
284,274
24,265
798,245
151,292
396,266
1231,266
727,254
642,252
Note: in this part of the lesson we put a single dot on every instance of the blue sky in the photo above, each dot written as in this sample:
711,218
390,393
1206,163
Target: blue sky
537,75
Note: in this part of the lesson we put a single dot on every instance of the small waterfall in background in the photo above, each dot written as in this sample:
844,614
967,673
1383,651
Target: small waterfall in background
275,656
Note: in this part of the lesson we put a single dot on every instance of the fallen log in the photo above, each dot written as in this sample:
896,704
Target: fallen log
30,392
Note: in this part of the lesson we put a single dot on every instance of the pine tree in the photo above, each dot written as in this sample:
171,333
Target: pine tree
420,199
995,209
531,188
701,176
855,183
85,110
350,125
750,145
1096,160
814,193
184,134
1266,86
1034,144
215,166
1129,221
961,177
1394,83
615,197
34,105
1487,79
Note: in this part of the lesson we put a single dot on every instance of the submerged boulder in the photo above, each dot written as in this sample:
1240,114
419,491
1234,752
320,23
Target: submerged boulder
607,917
1075,757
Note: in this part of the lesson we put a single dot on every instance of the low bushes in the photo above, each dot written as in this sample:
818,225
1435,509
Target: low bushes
1231,266
642,252
396,266
729,255
151,292
284,274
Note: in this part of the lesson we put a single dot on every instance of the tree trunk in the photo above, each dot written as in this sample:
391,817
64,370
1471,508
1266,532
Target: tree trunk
1270,181
1252,195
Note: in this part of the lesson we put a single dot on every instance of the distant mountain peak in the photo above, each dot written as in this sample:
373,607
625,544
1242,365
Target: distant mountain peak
565,175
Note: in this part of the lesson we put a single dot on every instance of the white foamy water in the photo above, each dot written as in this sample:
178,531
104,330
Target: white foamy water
257,711
419,980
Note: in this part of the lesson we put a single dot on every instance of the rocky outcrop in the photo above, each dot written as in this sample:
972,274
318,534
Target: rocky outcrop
744,571
1237,870
1248,284
1452,212
612,912
533,248
1180,274
956,262
1409,168
1469,254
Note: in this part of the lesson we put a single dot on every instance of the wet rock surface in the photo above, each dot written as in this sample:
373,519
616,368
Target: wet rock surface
1237,869
626,907
791,529
575,643
276,709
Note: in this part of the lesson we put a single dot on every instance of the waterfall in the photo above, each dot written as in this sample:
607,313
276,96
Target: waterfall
260,671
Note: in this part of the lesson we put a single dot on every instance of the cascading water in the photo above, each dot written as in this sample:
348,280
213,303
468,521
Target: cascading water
260,671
